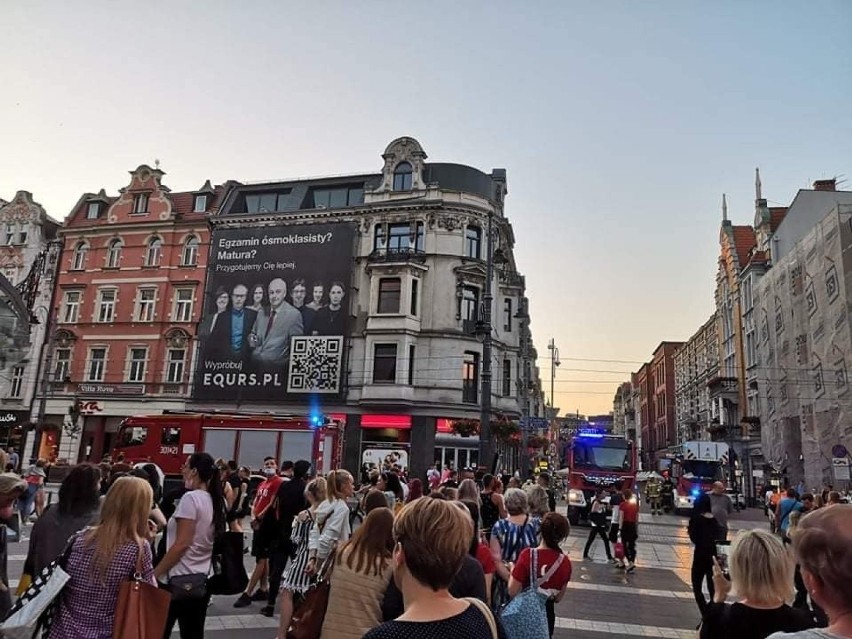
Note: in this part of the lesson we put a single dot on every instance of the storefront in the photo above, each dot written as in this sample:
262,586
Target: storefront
12,424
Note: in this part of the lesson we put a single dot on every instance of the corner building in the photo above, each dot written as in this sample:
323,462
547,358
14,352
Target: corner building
397,359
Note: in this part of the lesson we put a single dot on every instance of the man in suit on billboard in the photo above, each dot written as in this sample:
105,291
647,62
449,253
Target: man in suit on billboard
270,340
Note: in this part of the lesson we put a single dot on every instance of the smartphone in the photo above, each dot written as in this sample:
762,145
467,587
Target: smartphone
723,549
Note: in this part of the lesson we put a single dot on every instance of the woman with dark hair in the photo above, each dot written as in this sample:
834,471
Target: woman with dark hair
331,319
480,550
362,571
258,297
415,490
390,485
551,562
703,532
199,515
79,503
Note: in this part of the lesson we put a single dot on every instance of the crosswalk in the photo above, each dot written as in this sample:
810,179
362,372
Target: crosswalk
602,602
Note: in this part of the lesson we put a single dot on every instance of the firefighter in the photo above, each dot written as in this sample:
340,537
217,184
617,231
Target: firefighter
652,493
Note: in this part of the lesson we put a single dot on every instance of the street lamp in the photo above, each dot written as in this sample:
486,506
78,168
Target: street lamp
483,330
554,362
523,317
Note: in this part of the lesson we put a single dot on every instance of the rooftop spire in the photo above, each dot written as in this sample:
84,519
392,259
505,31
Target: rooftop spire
724,208
757,185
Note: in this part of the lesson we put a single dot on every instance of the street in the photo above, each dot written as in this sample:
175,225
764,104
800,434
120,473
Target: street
602,602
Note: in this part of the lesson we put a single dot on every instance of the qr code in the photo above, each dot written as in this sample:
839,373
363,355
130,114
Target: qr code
315,364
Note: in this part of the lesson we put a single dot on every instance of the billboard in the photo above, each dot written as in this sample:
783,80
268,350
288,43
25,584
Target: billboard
276,313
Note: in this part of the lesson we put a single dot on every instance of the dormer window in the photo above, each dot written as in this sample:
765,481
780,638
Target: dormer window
94,211
200,205
140,203
402,177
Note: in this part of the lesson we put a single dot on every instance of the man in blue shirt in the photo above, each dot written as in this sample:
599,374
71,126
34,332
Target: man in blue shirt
240,322
785,507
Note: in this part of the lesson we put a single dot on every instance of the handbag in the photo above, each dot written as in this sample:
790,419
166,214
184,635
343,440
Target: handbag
229,573
618,550
36,607
309,616
142,609
188,587
525,616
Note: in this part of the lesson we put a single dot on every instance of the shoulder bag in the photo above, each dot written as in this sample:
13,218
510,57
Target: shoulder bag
525,616
309,616
229,572
486,612
142,609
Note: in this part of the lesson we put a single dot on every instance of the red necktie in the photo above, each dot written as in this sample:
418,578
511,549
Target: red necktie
271,319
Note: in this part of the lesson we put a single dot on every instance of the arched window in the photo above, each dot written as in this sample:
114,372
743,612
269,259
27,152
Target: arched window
189,257
402,176
113,256
78,261
154,252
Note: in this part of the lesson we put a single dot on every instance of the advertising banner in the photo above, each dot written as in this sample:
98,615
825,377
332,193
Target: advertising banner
276,313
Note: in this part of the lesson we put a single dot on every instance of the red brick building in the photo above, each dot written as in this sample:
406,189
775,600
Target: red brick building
129,293
665,423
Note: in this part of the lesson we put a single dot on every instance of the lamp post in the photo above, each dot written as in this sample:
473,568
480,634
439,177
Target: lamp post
486,450
523,317
554,362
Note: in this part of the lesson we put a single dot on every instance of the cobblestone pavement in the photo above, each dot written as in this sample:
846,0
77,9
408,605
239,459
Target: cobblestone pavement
602,602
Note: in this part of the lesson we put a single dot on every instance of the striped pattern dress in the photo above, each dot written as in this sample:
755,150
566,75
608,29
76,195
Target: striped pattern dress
295,579
513,539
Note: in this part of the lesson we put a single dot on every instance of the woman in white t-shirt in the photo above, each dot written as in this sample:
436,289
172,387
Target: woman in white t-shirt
190,532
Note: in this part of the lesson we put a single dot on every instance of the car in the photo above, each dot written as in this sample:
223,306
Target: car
737,497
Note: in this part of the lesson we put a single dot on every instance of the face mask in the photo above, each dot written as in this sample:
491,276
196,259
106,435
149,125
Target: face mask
269,472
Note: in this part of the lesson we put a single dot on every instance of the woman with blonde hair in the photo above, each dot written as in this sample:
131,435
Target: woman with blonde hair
295,579
538,501
102,557
468,491
761,572
331,525
823,547
361,575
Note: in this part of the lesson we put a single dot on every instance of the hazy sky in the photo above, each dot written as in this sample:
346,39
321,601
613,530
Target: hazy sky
620,125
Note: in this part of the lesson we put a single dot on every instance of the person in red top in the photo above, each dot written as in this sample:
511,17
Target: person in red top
629,513
263,523
554,530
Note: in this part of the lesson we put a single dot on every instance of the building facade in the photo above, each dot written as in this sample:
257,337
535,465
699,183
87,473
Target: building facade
125,308
696,363
664,426
28,256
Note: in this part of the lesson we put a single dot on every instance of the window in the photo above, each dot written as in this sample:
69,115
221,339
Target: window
94,211
401,238
97,364
175,359
390,289
146,300
137,357
183,305
402,177
470,303
106,305
22,235
507,314
140,203
189,257
170,436
200,204
10,234
17,382
411,365
338,197
268,202
507,378
384,364
78,259
71,306
154,252
415,287
132,436
113,257
10,273
473,242
62,365
470,378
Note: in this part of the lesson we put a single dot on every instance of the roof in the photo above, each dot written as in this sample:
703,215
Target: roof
776,216
744,242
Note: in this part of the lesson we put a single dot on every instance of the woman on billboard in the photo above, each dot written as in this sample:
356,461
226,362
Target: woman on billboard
331,319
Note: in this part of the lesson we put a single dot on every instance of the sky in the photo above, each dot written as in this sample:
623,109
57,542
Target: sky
620,125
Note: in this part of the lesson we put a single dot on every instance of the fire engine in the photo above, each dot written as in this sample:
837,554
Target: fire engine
694,468
596,460
166,440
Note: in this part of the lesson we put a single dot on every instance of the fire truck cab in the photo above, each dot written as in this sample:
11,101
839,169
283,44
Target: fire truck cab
695,467
166,440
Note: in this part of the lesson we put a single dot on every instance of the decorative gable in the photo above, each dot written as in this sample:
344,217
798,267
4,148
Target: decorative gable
400,151
144,198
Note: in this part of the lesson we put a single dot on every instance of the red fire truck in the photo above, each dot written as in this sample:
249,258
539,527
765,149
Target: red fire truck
166,440
596,460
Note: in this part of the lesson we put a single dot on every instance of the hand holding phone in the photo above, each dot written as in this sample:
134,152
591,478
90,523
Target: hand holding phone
723,549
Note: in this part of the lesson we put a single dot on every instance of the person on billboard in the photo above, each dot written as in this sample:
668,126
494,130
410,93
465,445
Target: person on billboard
298,292
270,340
258,298
239,322
331,319
212,331
318,292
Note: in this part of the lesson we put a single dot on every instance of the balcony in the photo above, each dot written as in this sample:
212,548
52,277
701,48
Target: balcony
725,387
385,255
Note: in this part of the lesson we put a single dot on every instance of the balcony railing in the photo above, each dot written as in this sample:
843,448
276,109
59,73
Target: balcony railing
409,254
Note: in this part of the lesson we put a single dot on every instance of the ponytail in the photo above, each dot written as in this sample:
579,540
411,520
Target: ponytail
336,480
208,472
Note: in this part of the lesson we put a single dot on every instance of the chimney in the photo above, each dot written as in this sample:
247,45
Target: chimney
825,185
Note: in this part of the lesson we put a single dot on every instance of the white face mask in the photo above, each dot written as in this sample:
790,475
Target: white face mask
269,472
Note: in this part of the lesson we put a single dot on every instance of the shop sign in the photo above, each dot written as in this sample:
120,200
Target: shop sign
91,407
8,417
382,458
841,468
94,388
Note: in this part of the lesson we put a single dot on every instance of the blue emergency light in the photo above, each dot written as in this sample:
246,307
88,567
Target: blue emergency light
593,433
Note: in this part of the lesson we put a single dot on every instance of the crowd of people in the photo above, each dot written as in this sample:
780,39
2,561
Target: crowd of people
398,556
